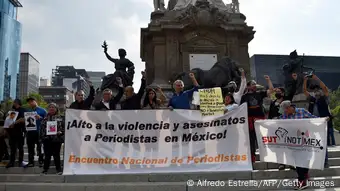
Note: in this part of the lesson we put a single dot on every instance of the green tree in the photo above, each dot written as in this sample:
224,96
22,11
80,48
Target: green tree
5,107
37,97
335,107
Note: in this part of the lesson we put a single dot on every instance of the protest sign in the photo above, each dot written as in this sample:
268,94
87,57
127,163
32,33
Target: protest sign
211,102
30,121
10,119
296,142
155,141
51,127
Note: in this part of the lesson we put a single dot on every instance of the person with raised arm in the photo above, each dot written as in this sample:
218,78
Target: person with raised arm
181,99
133,100
151,101
254,100
319,106
81,103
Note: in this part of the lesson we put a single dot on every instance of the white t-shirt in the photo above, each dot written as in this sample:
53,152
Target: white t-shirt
238,95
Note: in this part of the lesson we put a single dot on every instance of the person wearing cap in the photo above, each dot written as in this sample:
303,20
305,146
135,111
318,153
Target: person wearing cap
238,95
32,138
291,112
254,100
16,133
81,103
52,141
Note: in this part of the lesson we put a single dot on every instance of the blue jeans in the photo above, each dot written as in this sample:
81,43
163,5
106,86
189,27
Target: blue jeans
326,158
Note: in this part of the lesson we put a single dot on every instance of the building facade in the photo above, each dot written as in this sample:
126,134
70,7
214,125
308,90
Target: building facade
73,79
62,96
45,82
28,75
326,68
10,45
96,78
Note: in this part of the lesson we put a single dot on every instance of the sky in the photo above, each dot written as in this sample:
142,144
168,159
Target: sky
70,32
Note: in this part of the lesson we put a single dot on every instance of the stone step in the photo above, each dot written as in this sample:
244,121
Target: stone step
257,166
33,176
318,184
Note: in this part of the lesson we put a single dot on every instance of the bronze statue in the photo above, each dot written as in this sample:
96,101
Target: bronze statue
223,72
121,65
295,65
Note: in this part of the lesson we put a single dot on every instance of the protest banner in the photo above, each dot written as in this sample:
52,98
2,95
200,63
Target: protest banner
211,102
296,142
155,141
30,121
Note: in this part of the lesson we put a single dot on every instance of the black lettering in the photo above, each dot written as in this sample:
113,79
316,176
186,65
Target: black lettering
242,120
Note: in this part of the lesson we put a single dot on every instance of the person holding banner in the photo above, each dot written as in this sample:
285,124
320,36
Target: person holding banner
319,106
109,102
254,100
33,136
151,101
132,100
81,103
16,133
181,99
237,96
291,112
52,132
230,103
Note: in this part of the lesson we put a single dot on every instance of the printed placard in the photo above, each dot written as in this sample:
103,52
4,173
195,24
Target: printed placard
51,127
11,118
30,121
211,102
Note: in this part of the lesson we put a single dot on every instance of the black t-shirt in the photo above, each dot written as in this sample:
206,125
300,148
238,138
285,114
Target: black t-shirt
254,101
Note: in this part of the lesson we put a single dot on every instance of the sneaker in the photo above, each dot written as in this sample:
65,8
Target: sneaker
301,185
59,173
23,164
10,165
282,167
292,167
29,165
44,172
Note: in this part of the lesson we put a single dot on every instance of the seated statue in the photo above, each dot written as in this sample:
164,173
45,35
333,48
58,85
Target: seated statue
121,65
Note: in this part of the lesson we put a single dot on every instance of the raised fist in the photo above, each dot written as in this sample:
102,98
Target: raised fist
191,75
241,70
266,77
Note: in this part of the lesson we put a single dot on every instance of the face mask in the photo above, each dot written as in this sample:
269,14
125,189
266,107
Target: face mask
278,95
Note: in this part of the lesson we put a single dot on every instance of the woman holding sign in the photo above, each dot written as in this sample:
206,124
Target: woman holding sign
52,135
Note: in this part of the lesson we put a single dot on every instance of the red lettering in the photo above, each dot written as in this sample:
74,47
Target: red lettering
269,139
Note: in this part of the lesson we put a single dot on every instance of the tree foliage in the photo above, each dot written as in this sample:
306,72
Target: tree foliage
335,107
37,97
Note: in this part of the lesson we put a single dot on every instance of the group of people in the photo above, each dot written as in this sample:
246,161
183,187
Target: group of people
280,108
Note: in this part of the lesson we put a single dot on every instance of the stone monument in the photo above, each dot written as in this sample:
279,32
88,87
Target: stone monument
295,65
193,34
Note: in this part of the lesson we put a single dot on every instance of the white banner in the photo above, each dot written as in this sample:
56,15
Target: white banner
296,142
155,141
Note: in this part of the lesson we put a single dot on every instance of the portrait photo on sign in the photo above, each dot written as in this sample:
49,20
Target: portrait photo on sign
10,119
30,121
51,128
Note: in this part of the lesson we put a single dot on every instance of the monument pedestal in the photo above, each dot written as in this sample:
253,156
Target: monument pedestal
301,101
172,36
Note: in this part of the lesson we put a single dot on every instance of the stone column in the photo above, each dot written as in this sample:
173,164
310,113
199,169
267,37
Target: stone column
160,68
